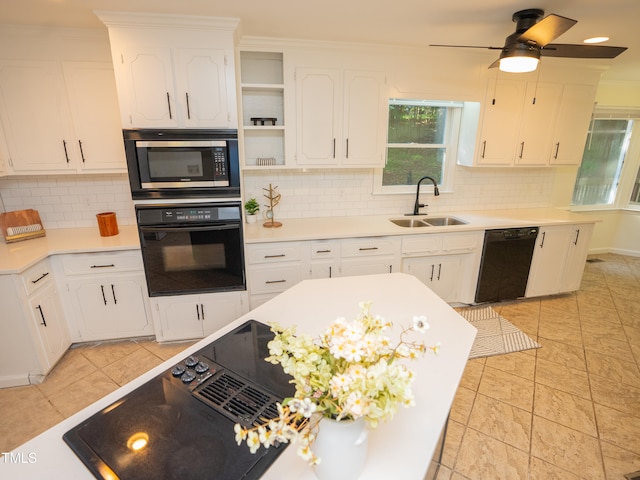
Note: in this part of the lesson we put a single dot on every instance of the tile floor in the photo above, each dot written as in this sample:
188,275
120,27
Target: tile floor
567,411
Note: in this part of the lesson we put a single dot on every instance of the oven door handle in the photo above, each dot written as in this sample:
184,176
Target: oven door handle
192,229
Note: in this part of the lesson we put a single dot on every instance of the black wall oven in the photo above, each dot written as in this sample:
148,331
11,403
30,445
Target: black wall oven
192,247
181,163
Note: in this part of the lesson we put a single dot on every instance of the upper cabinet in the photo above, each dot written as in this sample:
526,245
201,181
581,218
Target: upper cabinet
69,108
532,123
173,71
341,118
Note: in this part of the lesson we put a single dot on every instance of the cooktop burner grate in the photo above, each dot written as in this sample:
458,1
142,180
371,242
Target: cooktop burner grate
232,396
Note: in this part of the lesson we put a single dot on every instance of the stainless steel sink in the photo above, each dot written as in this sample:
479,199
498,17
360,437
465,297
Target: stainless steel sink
409,222
427,222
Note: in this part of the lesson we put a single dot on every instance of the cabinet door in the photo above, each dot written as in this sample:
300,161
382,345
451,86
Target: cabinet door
364,118
180,317
93,101
536,129
35,116
201,91
366,266
500,123
53,338
110,307
439,273
576,257
548,261
572,124
318,97
219,309
148,78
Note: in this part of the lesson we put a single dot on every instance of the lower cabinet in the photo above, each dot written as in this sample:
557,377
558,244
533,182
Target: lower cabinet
558,259
367,256
195,316
441,274
110,306
33,331
105,295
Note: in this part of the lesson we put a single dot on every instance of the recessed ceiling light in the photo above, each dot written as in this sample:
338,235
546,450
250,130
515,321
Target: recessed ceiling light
596,40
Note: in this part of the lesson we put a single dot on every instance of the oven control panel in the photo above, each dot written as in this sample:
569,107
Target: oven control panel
159,215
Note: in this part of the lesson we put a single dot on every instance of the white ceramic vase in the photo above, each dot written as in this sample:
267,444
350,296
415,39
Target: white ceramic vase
252,218
342,449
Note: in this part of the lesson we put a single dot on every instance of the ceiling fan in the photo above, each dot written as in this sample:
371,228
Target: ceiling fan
523,48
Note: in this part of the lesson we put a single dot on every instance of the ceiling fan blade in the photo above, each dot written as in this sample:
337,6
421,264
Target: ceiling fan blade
581,51
546,30
466,46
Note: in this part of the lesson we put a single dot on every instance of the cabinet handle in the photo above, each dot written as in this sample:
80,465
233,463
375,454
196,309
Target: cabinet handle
113,292
390,268
268,282
347,153
279,255
104,298
169,105
555,156
521,149
363,249
198,311
432,269
81,151
110,265
202,311
484,147
544,234
40,277
330,273
577,235
186,94
44,322
66,154
334,148
323,251
439,270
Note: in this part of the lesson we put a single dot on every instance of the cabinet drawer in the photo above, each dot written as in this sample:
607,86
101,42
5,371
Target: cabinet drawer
82,263
422,244
280,252
362,247
327,249
461,243
273,280
36,276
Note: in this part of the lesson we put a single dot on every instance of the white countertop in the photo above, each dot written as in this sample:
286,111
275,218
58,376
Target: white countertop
18,256
411,436
379,225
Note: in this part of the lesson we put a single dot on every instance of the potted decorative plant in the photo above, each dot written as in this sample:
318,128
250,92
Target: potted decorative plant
252,207
350,375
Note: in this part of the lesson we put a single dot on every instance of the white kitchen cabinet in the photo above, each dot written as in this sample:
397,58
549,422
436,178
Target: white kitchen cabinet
263,97
105,295
366,256
33,331
341,117
184,317
446,263
532,123
558,259
173,71
71,109
572,124
324,259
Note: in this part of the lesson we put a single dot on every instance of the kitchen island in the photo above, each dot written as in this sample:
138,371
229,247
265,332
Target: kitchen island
403,446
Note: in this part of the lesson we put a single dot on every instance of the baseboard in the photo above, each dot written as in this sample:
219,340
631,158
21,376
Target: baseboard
617,251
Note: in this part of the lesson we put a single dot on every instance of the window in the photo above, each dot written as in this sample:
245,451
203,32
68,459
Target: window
602,161
421,141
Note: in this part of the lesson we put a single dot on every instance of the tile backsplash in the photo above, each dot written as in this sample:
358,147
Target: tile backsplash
66,201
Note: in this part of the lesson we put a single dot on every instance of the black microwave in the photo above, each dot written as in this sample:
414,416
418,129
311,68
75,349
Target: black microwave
181,163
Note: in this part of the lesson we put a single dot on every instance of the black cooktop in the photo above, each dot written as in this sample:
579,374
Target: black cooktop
179,425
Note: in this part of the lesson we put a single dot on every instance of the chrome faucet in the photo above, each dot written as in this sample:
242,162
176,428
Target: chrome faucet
418,205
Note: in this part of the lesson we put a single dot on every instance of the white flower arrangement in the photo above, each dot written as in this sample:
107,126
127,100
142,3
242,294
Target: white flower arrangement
350,372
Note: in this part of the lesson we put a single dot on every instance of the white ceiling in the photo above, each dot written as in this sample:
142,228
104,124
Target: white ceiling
402,22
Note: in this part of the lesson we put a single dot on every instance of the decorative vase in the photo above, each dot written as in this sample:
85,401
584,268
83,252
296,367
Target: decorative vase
342,449
252,218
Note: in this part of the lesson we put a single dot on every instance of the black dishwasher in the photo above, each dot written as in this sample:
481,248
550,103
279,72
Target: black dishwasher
506,259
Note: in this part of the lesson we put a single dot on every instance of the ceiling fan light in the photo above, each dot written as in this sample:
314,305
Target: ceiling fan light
518,64
595,40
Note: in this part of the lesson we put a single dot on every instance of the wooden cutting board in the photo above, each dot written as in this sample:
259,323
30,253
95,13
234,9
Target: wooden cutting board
21,225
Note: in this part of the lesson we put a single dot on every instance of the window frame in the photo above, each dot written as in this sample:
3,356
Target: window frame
451,137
